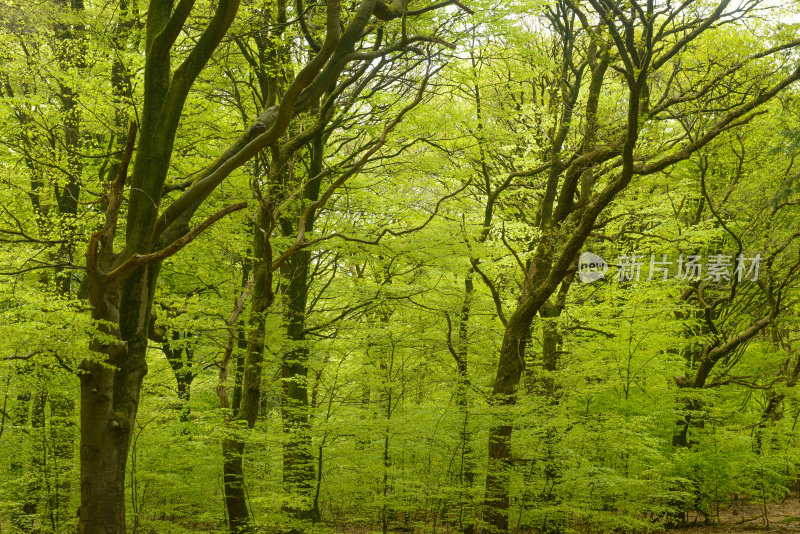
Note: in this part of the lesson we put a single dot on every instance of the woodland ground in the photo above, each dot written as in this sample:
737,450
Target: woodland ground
740,517
744,517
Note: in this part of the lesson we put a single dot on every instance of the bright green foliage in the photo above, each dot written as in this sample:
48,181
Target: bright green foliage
399,432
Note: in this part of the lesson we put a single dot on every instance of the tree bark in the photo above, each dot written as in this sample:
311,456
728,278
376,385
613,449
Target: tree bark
245,417
109,400
467,469
509,370
298,460
122,285
233,485
62,431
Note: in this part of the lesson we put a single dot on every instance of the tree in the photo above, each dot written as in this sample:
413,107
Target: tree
341,241
644,44
123,283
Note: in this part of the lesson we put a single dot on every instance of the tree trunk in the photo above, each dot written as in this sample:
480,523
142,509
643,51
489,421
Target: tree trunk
773,409
298,460
233,485
246,402
111,381
509,370
62,429
109,400
38,471
466,473
175,350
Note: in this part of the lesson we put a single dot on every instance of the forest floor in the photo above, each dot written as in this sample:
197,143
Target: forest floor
748,518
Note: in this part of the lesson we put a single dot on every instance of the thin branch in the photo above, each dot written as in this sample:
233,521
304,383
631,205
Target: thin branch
498,304
115,195
386,231
137,260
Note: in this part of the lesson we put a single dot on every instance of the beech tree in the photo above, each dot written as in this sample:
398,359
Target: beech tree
643,44
122,284
54,202
337,244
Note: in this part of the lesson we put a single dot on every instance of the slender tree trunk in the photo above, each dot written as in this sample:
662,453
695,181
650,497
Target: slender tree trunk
233,476
19,420
62,431
247,393
509,370
248,400
773,410
298,460
38,463
50,484
708,357
386,368
551,342
19,456
71,55
466,471
176,350
545,385
233,482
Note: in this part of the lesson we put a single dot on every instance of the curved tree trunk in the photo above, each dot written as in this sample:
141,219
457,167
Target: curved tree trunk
122,284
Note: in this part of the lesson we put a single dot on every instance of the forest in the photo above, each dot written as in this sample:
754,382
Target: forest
430,266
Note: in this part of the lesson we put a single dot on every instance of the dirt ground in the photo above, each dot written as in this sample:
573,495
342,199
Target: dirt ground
748,518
